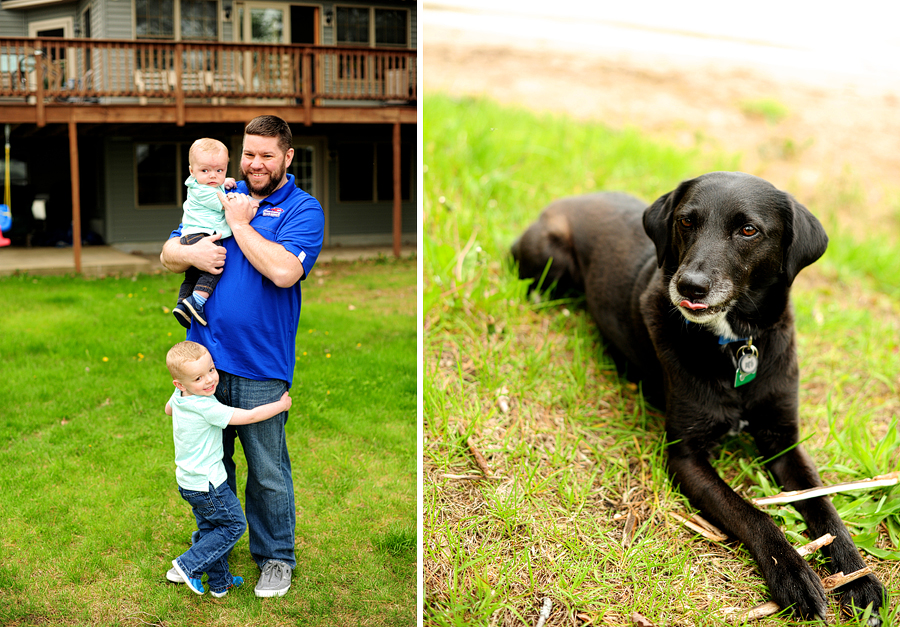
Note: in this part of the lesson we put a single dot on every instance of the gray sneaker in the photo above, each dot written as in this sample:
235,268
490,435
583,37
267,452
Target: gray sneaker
275,579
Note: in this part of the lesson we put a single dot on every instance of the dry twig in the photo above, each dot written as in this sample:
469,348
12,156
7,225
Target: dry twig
639,620
703,527
879,481
811,547
448,475
545,612
479,458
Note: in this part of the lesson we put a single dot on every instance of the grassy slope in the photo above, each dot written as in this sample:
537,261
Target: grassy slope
577,456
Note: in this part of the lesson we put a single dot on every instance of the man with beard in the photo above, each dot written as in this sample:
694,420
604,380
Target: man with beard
253,318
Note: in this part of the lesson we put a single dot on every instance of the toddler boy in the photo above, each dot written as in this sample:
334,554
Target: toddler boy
197,420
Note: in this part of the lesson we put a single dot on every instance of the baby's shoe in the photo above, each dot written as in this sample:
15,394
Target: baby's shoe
236,581
195,308
182,314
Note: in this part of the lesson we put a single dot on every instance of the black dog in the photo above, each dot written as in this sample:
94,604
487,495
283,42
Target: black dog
700,312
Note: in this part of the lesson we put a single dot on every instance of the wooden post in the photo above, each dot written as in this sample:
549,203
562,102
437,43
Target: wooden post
179,88
39,86
76,195
398,196
306,70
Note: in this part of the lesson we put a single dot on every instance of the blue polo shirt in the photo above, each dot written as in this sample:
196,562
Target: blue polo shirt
252,330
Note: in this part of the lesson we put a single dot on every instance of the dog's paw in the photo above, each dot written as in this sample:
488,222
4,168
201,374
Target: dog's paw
792,583
857,595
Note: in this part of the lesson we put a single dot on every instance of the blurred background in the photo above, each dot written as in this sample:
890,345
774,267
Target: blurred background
806,93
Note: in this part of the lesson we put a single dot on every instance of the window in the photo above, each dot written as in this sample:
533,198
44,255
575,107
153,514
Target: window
302,169
366,172
157,19
157,174
354,26
199,20
356,172
390,27
154,19
384,163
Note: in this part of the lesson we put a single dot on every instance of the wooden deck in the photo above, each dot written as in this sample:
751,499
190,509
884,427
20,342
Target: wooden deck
56,80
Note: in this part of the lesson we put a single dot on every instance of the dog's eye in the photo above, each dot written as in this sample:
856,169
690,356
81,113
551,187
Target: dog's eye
687,223
749,230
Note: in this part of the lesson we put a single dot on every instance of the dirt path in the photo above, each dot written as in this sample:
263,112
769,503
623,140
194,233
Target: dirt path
827,133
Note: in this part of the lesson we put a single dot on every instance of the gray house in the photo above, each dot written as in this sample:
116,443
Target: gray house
102,98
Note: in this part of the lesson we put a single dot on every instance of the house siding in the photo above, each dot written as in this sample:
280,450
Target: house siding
118,20
12,24
357,224
125,222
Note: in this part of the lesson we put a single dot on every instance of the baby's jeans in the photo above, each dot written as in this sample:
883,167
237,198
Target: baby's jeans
195,279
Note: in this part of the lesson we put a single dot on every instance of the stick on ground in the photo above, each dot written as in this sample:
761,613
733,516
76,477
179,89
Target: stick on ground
880,481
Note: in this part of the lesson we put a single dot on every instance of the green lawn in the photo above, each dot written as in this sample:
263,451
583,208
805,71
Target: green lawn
579,507
90,516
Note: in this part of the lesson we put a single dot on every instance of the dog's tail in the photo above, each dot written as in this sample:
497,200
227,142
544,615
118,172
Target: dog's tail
545,253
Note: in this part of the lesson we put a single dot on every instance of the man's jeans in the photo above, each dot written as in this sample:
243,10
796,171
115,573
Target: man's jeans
269,495
220,523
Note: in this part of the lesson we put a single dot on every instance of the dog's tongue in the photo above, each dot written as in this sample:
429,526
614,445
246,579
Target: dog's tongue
693,306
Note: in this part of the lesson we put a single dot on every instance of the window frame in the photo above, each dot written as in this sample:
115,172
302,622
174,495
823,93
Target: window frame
373,146
177,24
371,42
178,180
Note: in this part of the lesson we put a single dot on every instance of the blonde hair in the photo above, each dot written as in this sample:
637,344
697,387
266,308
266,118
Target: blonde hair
208,145
182,353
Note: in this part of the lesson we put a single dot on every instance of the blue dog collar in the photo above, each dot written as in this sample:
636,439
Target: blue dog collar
722,339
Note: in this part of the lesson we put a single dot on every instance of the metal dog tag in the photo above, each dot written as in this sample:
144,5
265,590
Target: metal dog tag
748,362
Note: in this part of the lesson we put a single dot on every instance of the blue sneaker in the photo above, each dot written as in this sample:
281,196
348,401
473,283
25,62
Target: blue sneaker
236,581
195,308
182,314
195,585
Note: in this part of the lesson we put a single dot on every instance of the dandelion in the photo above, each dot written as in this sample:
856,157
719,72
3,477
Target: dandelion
304,353
327,355
131,296
165,311
358,344
106,359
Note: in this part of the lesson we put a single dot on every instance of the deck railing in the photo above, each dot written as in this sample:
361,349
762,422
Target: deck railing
105,71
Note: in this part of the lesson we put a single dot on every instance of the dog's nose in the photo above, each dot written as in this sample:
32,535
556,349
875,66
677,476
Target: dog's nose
694,285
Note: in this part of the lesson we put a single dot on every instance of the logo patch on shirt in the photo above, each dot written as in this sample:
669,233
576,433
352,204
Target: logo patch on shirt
274,212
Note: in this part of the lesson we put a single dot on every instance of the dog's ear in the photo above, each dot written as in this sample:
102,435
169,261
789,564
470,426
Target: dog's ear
804,239
658,220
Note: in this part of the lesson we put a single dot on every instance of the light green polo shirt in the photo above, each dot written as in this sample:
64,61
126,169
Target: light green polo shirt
197,423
